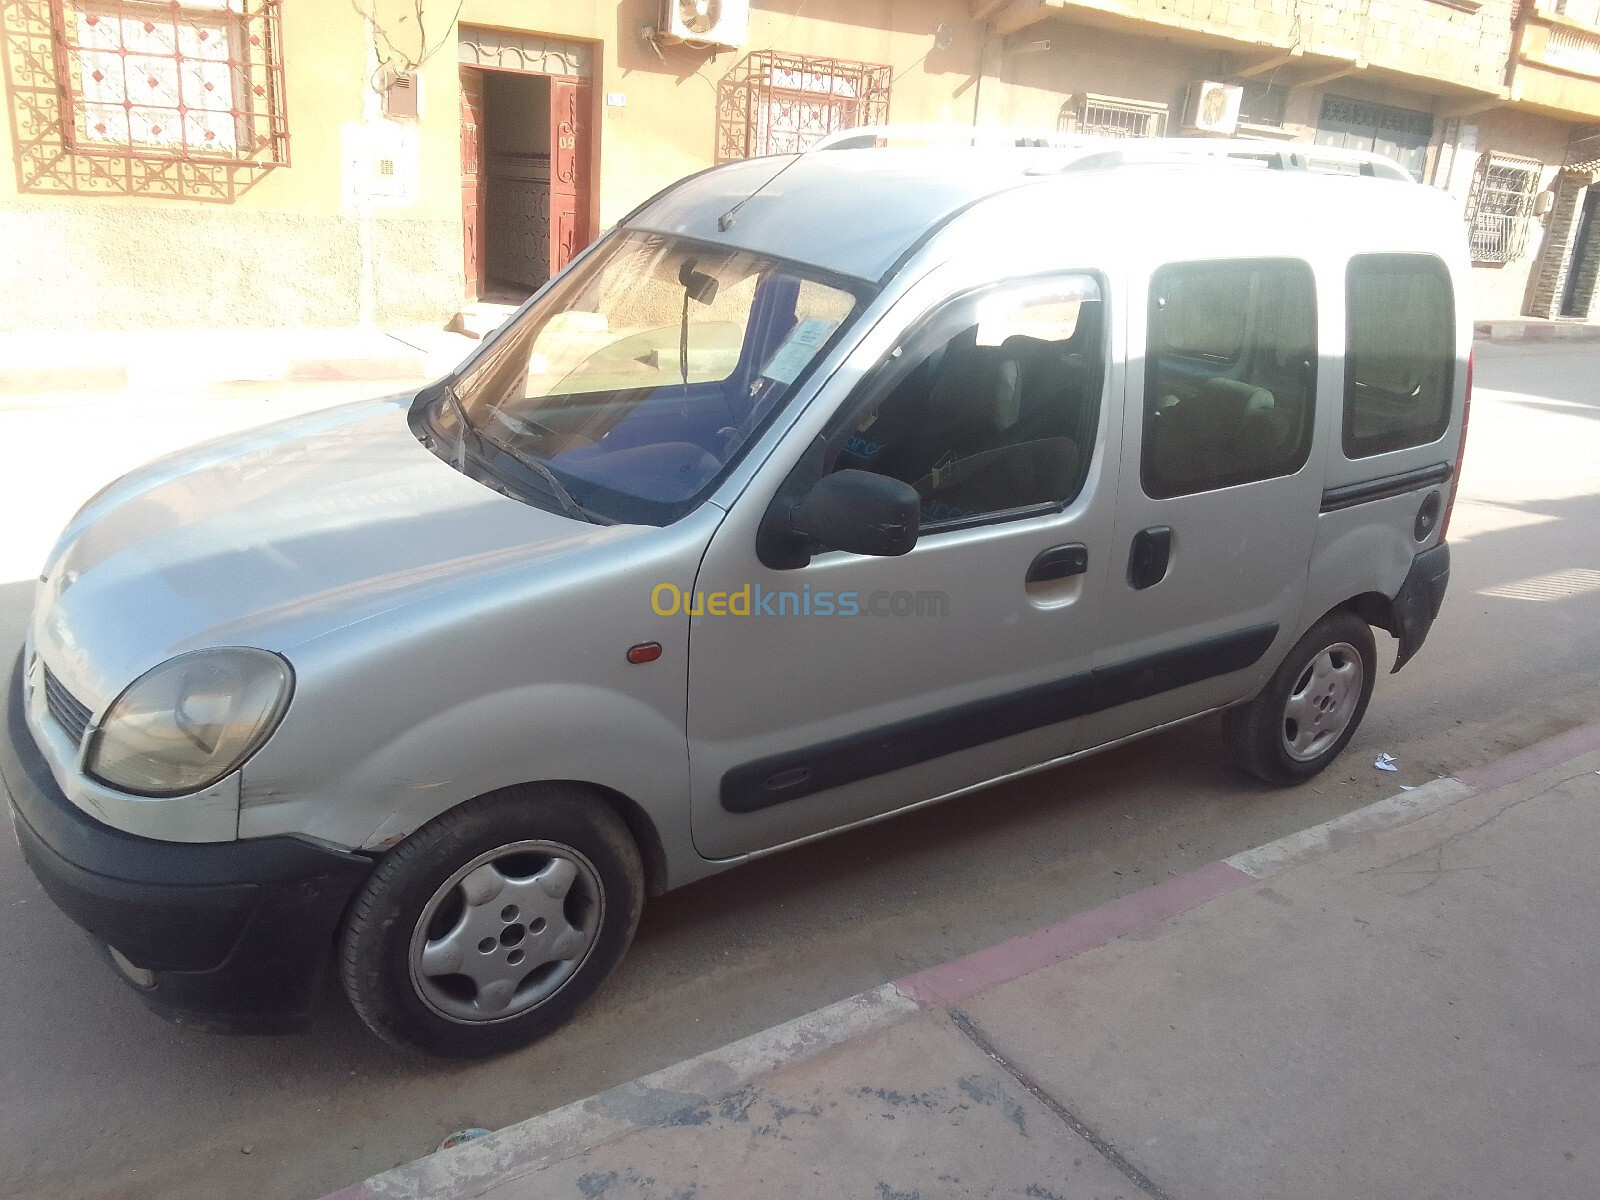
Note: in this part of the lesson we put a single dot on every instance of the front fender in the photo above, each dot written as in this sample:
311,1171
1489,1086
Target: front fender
516,735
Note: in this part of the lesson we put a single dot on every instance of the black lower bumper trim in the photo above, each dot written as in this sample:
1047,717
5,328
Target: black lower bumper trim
235,934
1418,601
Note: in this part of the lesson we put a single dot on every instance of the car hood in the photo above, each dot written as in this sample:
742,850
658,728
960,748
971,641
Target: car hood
274,537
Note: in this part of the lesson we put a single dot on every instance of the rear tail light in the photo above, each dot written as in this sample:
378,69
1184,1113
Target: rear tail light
1461,454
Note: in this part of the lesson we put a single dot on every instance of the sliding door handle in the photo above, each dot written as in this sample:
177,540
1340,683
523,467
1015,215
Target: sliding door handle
1148,558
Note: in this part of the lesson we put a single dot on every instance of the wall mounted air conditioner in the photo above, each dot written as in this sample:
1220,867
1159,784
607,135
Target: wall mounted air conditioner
1212,107
705,22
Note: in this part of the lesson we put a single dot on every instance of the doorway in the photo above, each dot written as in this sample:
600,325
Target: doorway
1578,292
524,178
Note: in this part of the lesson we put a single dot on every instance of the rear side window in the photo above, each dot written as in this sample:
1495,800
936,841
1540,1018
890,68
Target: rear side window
1400,358
1230,373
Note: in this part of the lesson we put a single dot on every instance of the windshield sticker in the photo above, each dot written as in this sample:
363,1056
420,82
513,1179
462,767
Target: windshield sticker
800,348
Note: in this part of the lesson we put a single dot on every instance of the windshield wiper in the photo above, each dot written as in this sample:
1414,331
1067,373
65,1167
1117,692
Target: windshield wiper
557,490
553,486
462,425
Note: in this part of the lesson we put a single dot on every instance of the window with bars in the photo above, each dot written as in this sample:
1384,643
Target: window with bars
1500,207
198,80
1108,116
773,103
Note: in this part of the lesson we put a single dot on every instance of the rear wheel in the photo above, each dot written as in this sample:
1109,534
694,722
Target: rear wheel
1311,706
489,926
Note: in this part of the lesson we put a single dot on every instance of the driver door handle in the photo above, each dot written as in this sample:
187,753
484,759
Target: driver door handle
1059,562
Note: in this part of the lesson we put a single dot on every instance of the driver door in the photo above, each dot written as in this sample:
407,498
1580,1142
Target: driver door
854,686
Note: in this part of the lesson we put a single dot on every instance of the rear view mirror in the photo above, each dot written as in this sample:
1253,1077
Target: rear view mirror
697,285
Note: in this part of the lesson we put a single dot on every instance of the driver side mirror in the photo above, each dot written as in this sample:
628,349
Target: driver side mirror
861,513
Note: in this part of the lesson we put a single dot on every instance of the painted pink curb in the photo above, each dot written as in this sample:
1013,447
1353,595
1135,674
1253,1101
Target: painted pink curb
952,982
1537,757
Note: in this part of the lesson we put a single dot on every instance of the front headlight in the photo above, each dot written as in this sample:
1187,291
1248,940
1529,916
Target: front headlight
184,725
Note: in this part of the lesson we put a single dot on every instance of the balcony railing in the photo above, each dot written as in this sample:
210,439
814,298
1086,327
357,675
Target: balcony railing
1575,50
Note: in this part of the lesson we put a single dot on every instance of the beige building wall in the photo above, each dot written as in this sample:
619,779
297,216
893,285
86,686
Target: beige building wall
286,252
299,248
1416,55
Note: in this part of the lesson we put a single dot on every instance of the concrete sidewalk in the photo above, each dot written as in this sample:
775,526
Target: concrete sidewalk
1400,1003
60,363
1535,329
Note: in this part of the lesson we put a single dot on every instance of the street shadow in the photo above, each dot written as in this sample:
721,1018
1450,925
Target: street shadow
16,602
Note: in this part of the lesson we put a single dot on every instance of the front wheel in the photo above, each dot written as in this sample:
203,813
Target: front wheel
489,926
1311,706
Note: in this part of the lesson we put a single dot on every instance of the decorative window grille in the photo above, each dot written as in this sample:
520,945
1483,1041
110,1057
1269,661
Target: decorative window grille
191,79
1500,206
180,98
773,103
1107,116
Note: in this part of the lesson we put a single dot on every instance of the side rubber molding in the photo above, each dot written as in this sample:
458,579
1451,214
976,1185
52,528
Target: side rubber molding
226,936
1351,494
1417,602
792,775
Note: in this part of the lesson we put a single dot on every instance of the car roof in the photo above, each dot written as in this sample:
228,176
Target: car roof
861,212
854,212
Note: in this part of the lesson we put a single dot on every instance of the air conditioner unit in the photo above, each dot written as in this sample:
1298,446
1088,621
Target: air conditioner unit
705,22
1212,107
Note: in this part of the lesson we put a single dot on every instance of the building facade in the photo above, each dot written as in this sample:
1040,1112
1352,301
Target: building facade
195,163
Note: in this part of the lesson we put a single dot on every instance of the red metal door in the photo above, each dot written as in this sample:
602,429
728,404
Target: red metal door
474,179
570,101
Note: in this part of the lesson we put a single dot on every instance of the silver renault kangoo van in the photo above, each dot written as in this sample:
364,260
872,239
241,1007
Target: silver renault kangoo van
819,489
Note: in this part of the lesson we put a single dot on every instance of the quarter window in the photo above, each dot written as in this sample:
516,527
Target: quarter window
990,407
1400,360
1229,375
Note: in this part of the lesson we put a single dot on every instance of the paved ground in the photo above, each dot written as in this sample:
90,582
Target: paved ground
102,1100
1406,1009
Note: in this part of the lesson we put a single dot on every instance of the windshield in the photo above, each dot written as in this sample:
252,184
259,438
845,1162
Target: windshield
627,391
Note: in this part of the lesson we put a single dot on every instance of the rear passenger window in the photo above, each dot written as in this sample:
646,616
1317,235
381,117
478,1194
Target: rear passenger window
1400,360
1230,374
989,407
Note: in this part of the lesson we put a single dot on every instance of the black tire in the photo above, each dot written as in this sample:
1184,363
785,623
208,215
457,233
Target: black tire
376,958
1259,732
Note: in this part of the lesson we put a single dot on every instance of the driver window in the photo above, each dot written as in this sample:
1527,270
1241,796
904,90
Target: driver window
989,407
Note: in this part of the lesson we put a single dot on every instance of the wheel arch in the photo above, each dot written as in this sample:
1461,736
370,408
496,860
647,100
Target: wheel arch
1408,615
646,838
1374,608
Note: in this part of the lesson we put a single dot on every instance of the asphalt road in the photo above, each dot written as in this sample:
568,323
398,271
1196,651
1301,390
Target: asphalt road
101,1099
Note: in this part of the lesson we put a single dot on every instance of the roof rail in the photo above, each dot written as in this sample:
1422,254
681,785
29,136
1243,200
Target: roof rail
1016,137
1082,151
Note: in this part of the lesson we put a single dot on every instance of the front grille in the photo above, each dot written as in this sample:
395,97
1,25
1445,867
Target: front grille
65,709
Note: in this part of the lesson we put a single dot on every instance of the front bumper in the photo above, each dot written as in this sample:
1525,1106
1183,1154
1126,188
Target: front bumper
228,936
